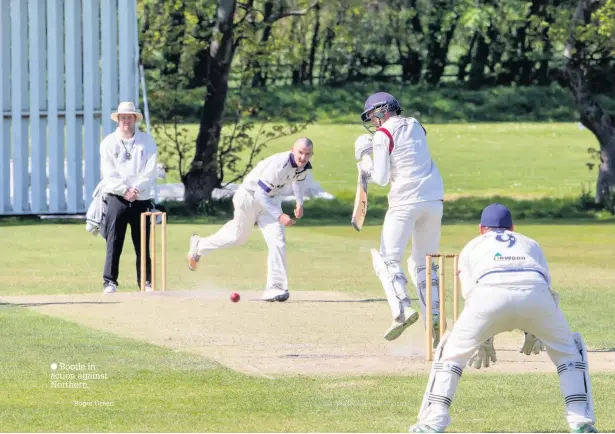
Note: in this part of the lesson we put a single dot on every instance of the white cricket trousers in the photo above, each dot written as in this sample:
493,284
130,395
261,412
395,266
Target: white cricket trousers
490,310
247,212
422,222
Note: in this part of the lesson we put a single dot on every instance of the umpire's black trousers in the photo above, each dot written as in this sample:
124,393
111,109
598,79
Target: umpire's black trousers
120,214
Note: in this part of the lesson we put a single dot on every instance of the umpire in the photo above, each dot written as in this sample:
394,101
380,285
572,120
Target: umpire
128,168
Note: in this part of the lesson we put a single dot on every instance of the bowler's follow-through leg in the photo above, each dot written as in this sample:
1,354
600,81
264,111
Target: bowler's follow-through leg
233,233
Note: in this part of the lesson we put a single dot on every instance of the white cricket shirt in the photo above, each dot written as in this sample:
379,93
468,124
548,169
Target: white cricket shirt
401,157
271,175
126,163
502,257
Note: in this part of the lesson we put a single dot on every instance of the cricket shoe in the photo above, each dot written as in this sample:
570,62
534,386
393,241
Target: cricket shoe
275,294
110,288
148,287
588,427
407,318
422,428
193,254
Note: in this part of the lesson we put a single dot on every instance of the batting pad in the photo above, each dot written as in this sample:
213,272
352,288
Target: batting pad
441,387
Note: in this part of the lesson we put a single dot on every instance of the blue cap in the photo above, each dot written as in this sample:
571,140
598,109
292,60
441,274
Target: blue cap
496,215
380,99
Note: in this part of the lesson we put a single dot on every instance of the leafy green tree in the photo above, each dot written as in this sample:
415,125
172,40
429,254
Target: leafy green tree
235,23
586,32
188,43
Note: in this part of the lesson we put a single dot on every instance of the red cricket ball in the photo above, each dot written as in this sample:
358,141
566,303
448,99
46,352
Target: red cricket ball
235,297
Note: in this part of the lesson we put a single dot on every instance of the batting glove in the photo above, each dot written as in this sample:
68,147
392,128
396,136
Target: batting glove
363,146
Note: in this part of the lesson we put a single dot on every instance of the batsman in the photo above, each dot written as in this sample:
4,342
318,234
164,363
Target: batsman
402,159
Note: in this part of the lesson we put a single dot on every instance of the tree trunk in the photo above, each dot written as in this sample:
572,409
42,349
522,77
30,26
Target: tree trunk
324,58
411,67
328,65
260,76
299,69
295,76
199,71
517,69
437,46
411,61
542,73
598,122
464,60
314,45
203,177
606,172
591,113
172,55
476,77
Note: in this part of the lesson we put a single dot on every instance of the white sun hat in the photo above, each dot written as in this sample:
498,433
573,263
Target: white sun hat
126,108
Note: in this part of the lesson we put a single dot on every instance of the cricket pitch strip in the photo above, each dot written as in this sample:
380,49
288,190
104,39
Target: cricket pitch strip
315,333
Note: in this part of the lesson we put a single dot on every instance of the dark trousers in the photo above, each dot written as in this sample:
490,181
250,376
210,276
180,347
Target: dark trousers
120,214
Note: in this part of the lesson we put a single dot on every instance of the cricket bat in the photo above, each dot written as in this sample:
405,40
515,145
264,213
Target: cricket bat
360,202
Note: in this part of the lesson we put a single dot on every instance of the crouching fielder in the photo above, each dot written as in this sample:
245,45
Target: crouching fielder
506,284
257,201
401,158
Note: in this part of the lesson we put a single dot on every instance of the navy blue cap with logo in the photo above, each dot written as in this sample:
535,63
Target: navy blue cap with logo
496,215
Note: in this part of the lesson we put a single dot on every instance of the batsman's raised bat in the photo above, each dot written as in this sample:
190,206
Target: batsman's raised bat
360,202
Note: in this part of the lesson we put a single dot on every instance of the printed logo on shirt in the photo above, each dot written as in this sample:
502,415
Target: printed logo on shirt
499,257
296,176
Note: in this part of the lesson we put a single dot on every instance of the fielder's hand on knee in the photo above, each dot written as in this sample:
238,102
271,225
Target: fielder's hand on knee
484,355
532,345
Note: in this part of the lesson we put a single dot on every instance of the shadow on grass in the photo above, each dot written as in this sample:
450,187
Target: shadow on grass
54,303
365,300
337,212
30,220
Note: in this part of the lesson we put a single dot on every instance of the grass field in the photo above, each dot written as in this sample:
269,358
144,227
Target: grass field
508,159
158,389
155,389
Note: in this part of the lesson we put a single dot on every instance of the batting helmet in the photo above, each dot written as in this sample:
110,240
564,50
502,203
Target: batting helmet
380,100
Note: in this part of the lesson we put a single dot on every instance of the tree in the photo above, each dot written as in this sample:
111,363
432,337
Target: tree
421,33
260,74
589,35
407,34
173,34
439,35
234,22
